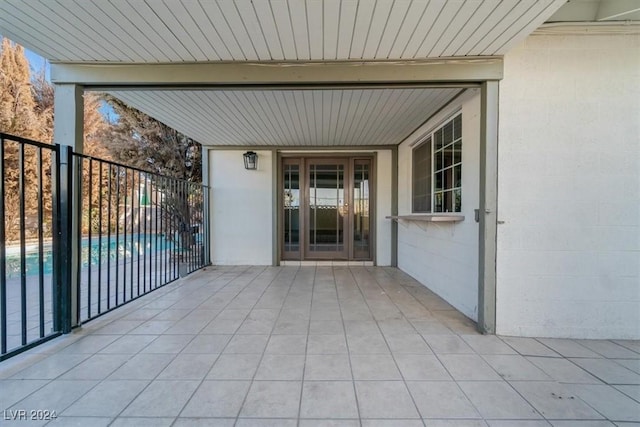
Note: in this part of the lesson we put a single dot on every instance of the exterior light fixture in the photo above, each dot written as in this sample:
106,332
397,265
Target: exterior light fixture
250,160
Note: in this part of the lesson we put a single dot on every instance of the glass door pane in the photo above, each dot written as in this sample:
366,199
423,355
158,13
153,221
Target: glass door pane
327,209
291,201
360,210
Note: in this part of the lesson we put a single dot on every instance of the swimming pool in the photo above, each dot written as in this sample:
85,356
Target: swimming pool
94,252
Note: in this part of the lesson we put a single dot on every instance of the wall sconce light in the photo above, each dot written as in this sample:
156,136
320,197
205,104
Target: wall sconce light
250,160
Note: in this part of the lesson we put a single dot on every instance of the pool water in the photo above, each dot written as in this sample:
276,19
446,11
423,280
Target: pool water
94,252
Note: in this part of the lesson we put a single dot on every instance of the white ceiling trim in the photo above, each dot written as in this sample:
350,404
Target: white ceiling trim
447,70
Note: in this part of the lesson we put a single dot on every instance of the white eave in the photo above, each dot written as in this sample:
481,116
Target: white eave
157,31
120,45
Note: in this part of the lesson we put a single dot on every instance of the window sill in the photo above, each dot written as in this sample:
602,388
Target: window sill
428,217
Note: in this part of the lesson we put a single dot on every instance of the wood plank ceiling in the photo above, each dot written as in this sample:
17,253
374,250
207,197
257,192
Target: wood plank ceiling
342,117
265,30
188,31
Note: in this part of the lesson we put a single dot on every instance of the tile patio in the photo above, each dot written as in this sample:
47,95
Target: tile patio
314,346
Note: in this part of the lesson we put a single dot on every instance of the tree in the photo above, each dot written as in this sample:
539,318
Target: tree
143,142
18,117
18,114
27,110
94,127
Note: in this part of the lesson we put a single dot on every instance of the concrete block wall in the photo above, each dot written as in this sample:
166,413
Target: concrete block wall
444,256
569,188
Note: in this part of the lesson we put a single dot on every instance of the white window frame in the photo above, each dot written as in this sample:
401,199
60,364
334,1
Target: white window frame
450,169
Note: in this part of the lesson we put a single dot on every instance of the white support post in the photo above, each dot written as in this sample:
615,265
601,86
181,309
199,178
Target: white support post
204,166
68,131
275,215
69,116
488,208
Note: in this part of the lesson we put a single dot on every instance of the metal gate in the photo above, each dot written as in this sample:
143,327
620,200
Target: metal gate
81,236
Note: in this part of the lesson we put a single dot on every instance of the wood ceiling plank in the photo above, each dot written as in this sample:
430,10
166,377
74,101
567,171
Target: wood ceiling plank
161,31
348,10
410,107
299,105
379,22
241,116
361,28
425,27
270,31
458,25
101,29
393,113
501,10
466,32
397,17
232,17
310,114
428,104
294,129
442,27
251,24
266,103
508,39
217,113
88,23
247,16
346,106
330,28
336,108
378,107
524,8
315,22
326,124
416,12
282,19
360,115
187,16
282,118
121,14
387,99
255,117
28,36
298,14
151,104
223,30
37,20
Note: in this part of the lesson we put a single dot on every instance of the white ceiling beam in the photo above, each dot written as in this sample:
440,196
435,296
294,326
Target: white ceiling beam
616,9
462,70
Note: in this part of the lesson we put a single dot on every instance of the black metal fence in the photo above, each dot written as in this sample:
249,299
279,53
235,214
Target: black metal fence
137,231
80,236
29,218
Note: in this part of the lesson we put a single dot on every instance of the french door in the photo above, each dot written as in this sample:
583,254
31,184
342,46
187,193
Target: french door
326,209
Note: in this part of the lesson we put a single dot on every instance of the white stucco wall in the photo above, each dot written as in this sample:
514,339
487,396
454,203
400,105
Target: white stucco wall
569,188
444,257
241,209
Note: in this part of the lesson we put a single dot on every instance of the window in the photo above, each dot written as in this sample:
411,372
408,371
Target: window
437,169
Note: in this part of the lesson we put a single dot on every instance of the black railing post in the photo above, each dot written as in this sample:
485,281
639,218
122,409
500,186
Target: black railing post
64,241
3,257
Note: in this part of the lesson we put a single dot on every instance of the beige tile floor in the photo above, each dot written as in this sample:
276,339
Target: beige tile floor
314,346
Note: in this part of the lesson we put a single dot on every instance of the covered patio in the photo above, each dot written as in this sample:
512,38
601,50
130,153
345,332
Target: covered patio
313,345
